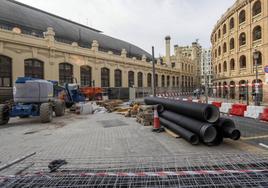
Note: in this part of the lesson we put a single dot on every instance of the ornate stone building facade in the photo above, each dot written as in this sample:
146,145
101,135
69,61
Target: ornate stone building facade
37,44
241,31
187,59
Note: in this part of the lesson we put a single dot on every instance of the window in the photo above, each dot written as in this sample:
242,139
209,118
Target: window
168,81
243,61
66,73
163,80
232,64
232,44
85,76
225,66
216,53
131,79
224,47
257,33
242,39
232,24
149,80
220,90
105,77
256,8
219,68
259,60
219,50
173,81
178,81
232,90
242,16
224,29
216,70
215,38
182,82
140,79
219,33
242,90
34,68
118,78
5,71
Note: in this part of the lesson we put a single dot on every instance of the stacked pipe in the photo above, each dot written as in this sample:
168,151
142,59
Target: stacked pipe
194,122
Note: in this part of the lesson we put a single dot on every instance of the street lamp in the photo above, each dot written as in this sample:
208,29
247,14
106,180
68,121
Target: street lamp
256,56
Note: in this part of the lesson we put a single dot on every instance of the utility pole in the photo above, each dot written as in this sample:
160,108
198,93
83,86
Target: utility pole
256,57
154,84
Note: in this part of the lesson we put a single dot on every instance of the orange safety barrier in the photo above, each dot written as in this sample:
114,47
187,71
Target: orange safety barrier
217,104
238,110
264,115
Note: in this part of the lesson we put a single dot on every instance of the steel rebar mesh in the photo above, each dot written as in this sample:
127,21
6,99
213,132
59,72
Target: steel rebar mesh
191,170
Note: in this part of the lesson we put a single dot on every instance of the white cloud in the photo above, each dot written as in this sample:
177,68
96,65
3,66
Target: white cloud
143,22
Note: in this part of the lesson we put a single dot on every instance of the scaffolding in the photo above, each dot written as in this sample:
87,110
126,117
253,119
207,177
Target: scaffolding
191,170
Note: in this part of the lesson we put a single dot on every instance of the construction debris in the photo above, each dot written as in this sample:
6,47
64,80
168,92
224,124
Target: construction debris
110,105
145,115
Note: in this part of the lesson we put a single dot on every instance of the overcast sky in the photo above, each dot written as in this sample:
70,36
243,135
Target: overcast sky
143,22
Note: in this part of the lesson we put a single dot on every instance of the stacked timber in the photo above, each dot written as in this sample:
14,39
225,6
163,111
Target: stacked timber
110,105
145,115
195,122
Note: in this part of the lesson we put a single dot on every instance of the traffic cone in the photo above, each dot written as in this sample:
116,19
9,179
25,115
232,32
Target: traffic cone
156,121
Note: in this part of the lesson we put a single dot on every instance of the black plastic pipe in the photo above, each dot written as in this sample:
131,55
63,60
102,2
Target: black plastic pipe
202,112
219,138
206,131
184,133
228,129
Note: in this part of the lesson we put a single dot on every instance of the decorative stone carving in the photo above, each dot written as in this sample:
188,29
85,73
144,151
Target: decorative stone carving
50,34
95,46
143,58
124,53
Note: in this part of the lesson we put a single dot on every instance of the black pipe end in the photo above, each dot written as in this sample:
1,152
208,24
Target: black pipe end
160,108
235,134
208,133
212,114
194,140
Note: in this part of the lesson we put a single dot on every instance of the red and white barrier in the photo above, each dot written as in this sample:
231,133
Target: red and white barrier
254,111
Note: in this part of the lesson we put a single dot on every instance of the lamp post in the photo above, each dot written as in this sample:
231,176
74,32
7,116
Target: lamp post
154,76
256,55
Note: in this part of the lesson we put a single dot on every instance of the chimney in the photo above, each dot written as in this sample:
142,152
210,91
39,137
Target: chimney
168,50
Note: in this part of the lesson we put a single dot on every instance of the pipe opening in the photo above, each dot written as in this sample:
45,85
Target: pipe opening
208,133
235,135
160,108
212,114
194,140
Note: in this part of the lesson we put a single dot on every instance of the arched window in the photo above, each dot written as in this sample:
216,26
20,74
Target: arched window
232,24
232,44
156,80
220,90
85,76
224,29
182,83
219,33
219,50
105,77
232,64
260,87
243,61
34,68
149,80
256,8
224,47
118,78
242,16
173,81
224,66
257,33
215,38
178,81
259,60
5,71
242,39
163,80
242,90
140,79
65,73
219,68
232,90
225,90
168,80
131,79
216,53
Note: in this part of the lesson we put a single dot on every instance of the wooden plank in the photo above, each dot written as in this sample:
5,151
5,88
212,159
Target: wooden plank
171,133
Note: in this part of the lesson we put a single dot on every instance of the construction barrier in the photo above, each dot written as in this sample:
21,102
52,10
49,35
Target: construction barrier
238,109
226,107
254,111
264,115
217,104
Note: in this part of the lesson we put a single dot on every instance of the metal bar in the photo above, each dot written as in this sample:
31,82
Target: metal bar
16,161
154,79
